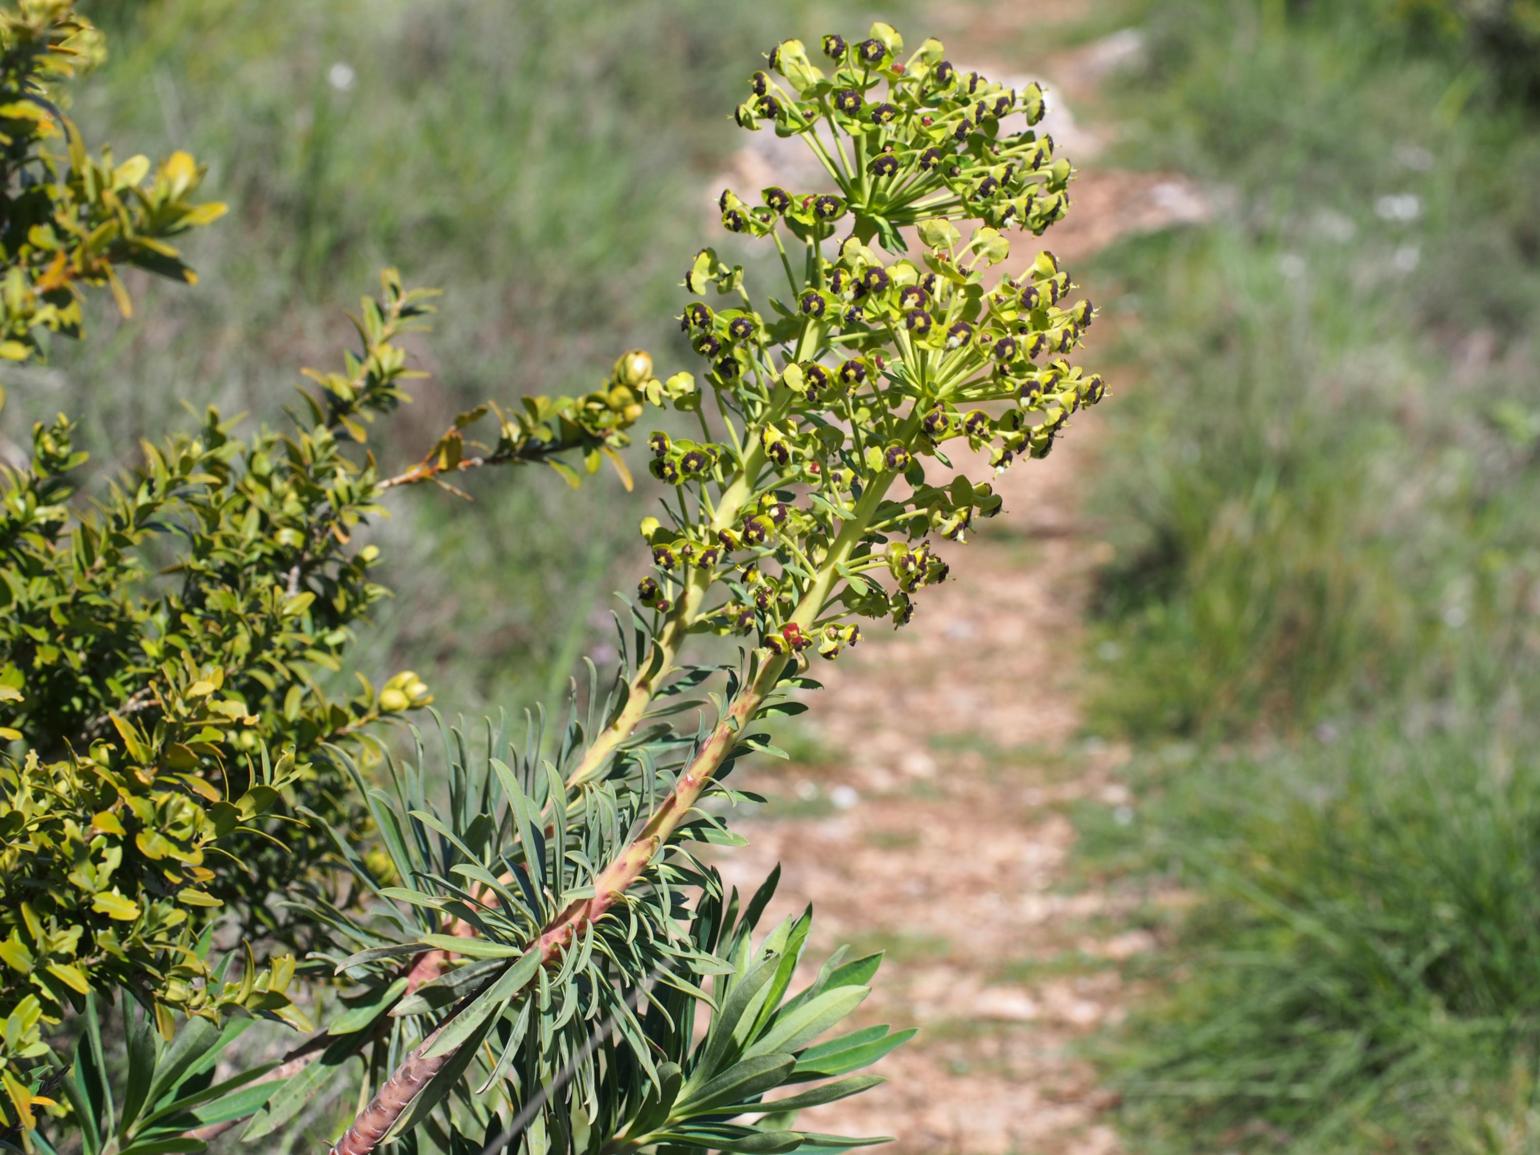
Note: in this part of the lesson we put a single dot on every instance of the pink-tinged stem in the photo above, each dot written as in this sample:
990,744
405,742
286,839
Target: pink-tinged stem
407,1081
374,1122
611,883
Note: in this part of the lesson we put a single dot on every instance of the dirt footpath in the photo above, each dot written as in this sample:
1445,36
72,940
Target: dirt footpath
926,814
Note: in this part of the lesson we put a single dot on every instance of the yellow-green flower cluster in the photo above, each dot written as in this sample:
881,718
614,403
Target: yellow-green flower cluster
894,336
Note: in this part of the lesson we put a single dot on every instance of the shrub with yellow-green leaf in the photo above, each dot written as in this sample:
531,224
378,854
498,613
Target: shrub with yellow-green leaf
69,220
169,641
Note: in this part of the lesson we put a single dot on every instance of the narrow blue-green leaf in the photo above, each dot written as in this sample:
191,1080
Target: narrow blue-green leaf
792,1031
485,1005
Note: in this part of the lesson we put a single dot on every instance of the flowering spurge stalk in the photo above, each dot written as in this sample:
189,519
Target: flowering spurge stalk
811,499
865,366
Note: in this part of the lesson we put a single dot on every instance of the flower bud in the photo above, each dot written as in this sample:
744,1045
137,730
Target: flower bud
1032,102
791,633
633,368
759,83
834,637
775,445
648,591
951,524
758,530
944,75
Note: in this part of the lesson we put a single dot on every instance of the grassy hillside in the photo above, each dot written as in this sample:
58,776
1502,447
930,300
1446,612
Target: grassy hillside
1323,621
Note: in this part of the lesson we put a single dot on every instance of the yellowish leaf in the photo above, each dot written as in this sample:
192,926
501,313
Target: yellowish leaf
114,905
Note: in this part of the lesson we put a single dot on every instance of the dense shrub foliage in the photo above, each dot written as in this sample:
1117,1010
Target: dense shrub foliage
511,944
71,219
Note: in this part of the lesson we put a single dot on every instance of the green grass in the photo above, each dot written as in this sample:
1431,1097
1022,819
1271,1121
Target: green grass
1363,971
1323,482
547,165
1326,469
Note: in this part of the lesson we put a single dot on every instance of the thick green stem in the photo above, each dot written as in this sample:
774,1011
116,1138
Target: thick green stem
632,862
664,655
